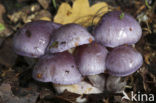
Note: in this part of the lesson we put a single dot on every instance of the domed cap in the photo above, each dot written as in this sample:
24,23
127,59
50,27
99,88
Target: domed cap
117,28
123,61
58,68
69,36
32,39
91,59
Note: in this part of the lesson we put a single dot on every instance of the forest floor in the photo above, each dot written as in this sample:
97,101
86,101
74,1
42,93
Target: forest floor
16,83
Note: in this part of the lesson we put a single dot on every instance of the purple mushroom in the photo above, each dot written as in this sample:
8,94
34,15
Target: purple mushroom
57,68
32,39
123,61
69,36
117,28
91,59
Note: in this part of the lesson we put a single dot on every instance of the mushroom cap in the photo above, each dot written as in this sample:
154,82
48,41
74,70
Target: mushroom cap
117,28
58,68
91,59
69,36
33,38
123,61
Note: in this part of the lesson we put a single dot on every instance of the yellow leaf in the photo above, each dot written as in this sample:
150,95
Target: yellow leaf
64,11
80,13
45,18
81,7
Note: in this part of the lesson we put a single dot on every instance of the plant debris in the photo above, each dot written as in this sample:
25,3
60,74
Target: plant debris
87,15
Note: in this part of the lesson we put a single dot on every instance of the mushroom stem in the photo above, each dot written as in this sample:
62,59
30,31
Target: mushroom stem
79,88
97,81
114,84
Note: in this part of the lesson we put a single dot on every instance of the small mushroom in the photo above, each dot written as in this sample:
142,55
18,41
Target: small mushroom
69,36
123,61
91,59
57,68
117,28
32,39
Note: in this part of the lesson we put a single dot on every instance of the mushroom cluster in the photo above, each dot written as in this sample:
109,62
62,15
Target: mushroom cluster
51,43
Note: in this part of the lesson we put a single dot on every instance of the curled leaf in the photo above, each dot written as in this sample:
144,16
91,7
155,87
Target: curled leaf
81,13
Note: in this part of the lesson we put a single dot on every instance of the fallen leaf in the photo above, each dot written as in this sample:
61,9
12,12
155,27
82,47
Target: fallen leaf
2,27
81,13
45,18
8,97
44,3
26,14
7,56
147,58
43,15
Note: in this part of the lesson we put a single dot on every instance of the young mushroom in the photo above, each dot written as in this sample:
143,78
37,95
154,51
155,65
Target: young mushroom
59,68
69,36
117,28
91,59
123,61
32,39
